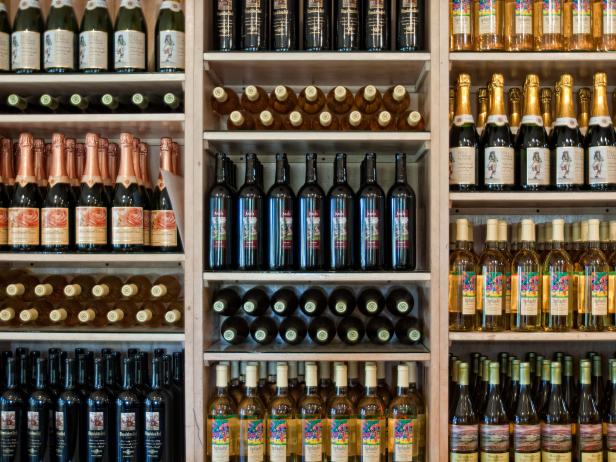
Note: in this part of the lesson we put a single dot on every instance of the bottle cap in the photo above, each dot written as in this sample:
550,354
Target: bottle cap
384,118
43,290
251,93
324,371
57,315
86,315
7,314
355,118
72,290
380,370
340,375
15,290
398,93
492,230
604,231
340,93
369,92
144,315
173,316
266,118
413,118
311,375
502,231
311,93
613,231
158,290
29,315
100,290
282,370
528,227
222,378
370,375
295,118
116,315
325,118
281,93
403,376
558,226
293,370
576,231
593,230
462,229
353,369
220,94
412,365
130,290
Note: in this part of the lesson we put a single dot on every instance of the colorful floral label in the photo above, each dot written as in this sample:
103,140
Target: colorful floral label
463,438
218,229
285,223
339,229
494,438
401,229
91,225
278,437
370,439
403,439
312,439
313,229
590,438
249,229
529,293
559,293
493,293
339,437
527,439
599,292
371,229
24,226
469,292
255,439
556,438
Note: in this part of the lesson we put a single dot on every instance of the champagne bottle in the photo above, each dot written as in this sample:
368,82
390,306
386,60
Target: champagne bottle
60,41
311,215
371,224
317,25
410,25
5,40
491,282
255,302
557,284
348,25
164,230
281,425
322,330
284,28
377,25
253,25
128,416
250,219
292,330
130,38
96,38
401,206
284,301
281,213
341,210
463,422
351,330
592,294
263,330
531,144
145,194
70,428
341,302
462,282
234,330
13,428
40,170
526,287
58,210
222,420
556,434
26,39
169,39
252,420
482,110
371,413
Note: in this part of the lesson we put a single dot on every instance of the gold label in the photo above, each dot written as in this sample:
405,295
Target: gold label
4,226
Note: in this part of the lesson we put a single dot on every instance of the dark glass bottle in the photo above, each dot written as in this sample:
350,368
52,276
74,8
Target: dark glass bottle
400,301
285,25
99,419
341,209
526,440
317,25
284,302
281,218
313,302
556,433
322,330
371,219
40,414
234,330
70,425
128,415
130,38
371,302
60,45
159,424
254,19
377,25
226,27
401,204
226,302
96,39
221,230
164,230
263,330
463,422
255,302
408,330
588,438
347,15
351,330
177,387
5,40
13,428
27,39
341,302
380,330
410,25
610,415
169,37
292,330
494,424
250,219
312,218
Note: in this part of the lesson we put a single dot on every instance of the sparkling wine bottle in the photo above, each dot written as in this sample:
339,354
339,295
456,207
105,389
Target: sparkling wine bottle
60,40
130,38
170,40
26,39
96,38
164,230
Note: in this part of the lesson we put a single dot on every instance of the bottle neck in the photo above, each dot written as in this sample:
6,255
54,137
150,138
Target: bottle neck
311,169
156,374
531,101
251,171
599,101
98,375
497,102
127,373
281,171
463,100
370,168
566,108
91,169
400,168
69,375
340,171
127,169
221,170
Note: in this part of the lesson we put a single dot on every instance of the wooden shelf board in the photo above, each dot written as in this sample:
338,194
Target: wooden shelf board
573,336
309,352
329,278
94,259
531,199
76,336
415,144
324,68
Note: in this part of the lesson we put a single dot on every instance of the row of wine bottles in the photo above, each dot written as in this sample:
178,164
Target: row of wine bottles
61,215
532,161
327,25
313,302
532,409
58,44
524,291
532,25
310,231
92,104
319,420
92,408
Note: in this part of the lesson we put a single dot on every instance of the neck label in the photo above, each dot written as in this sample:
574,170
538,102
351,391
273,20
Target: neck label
463,119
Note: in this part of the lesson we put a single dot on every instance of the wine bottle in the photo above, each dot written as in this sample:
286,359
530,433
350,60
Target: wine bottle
166,288
401,206
226,37
325,121
380,330
610,415
250,219
341,302
240,120
340,100
311,413
255,302
312,218
494,424
368,99
281,213
70,428
164,230
371,425
497,157
341,210
221,202
281,430
58,210
400,301
557,284
136,288
583,116
222,421
128,203
383,122
313,302
371,302
463,141
159,421
284,302
252,420
408,331
95,38
588,438
593,284
253,21
598,393
5,37
556,432
128,414
234,330
8,176
60,41
40,170
130,38
348,25
39,408
263,330
322,330
311,100
226,302
396,99
26,39
341,419
292,330
526,289
317,25
145,194
169,39
526,441
410,25
14,425
371,213
462,282
295,121
463,422
24,212
99,411
491,282
351,330
284,28
377,25
355,121
403,422
283,99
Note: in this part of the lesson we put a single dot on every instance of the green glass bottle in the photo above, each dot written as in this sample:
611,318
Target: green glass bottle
526,427
252,420
610,416
341,424
60,38
130,44
494,424
310,414
526,283
281,425
95,38
463,422
462,282
491,284
26,38
170,37
557,284
371,427
403,442
589,434
5,39
556,431
222,422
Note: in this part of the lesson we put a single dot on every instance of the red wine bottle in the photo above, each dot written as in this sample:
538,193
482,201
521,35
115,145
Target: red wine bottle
281,218
24,213
13,432
401,204
250,218
40,409
226,302
284,302
128,203
351,330
263,330
380,330
313,302
400,301
408,331
58,211
341,208
234,330
164,229
292,330
128,417
255,302
99,408
159,423
371,302
91,214
70,425
322,330
221,213
341,302
371,219
311,215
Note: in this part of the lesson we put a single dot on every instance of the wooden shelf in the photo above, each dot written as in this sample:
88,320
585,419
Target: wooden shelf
384,277
323,68
573,336
415,144
73,336
94,259
498,200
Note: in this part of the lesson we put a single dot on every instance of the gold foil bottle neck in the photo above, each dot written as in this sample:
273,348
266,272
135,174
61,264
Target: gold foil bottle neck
464,80
57,140
600,79
91,140
126,139
26,140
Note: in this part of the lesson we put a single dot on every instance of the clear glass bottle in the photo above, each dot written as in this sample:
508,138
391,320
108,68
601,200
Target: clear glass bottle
491,290
518,25
548,25
557,284
460,25
577,27
341,424
252,435
526,283
371,425
310,414
402,421
589,433
463,422
462,282
489,24
605,25
281,424
526,442
556,428
494,423
222,422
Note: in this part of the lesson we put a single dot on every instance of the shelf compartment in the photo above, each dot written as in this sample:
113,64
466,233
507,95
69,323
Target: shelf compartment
308,352
76,336
573,336
93,259
238,277
323,68
498,200
415,144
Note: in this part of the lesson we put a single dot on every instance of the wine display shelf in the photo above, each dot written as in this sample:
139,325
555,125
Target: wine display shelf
576,336
358,277
498,200
90,337
99,259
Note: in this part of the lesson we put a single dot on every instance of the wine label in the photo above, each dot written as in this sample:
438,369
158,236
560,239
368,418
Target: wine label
609,17
127,225
551,17
555,439
340,438
218,228
313,229
462,165
340,229
26,50
529,293
5,54
249,229
610,441
527,440
493,293
225,19
93,50
401,231
370,439
153,435
173,5
61,436
4,226
601,164
171,47
487,17
498,163
538,166
348,22
499,120
590,438
129,49
35,446
285,229
461,17
147,216
221,439
598,293
581,11
312,439
469,292
8,433
278,436
93,4
559,293
253,432
460,457
569,165
555,456
128,436
371,233
402,440
54,226
25,4
130,4
464,439
164,228
58,49
376,22
91,226
611,456
24,225
97,434
523,17
494,439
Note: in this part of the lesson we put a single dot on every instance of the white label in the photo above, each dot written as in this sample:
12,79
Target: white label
462,166
523,24
220,453
26,50
581,23
340,452
462,24
5,54
255,453
93,50
609,21
277,453
58,49
599,306
468,305
313,452
497,119
532,120
93,4
537,166
487,24
130,49
460,120
370,452
173,5
493,306
499,165
171,49
570,122
130,4
529,306
601,164
25,4
559,306
569,165
602,121
551,23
